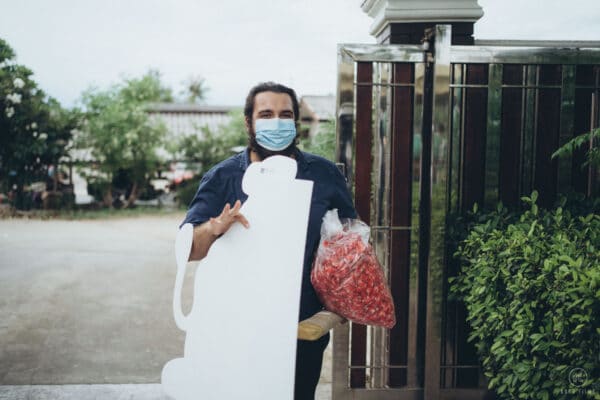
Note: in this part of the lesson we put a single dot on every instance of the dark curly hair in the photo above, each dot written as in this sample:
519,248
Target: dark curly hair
270,87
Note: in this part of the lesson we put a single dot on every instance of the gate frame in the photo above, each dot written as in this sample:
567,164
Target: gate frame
354,135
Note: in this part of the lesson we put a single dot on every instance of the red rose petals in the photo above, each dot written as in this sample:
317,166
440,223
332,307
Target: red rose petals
348,278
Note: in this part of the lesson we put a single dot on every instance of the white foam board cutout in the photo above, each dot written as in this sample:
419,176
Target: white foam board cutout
241,331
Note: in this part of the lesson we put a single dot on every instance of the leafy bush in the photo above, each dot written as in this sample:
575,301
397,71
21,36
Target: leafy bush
206,146
323,143
531,286
592,154
96,188
186,192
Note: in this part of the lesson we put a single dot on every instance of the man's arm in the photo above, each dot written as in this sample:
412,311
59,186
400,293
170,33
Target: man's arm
205,234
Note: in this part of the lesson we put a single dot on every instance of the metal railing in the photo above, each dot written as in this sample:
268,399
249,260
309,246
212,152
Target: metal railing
424,131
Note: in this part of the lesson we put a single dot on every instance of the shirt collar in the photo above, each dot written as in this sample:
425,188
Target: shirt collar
299,156
301,159
245,159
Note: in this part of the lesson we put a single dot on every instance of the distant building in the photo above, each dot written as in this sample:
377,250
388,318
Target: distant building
185,119
189,119
315,110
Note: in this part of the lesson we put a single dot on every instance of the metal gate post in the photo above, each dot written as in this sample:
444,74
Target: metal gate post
438,208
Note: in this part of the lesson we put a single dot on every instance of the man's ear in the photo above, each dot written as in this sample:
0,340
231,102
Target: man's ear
247,123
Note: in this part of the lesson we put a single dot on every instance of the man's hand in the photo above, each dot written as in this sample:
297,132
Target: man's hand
206,234
221,224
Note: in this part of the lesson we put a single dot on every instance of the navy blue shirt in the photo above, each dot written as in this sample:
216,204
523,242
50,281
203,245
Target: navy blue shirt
223,184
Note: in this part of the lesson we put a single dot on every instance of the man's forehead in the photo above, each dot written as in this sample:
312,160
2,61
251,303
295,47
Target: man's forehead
273,99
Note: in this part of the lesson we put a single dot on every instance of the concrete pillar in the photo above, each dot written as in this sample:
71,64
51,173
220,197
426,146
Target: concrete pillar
405,21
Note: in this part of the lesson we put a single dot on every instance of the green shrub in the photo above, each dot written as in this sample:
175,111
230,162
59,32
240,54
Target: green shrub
96,188
186,192
531,286
583,141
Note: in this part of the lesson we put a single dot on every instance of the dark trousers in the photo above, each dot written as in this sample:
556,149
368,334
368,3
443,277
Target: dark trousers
309,359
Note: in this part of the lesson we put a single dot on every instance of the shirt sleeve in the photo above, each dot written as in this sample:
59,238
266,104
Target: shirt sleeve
207,202
342,199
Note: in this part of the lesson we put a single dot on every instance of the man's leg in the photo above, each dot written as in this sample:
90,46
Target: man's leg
309,359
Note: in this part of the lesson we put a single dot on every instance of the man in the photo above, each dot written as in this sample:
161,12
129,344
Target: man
271,115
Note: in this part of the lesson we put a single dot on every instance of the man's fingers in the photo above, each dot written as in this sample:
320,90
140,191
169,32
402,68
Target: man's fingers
230,215
235,213
243,221
226,213
236,208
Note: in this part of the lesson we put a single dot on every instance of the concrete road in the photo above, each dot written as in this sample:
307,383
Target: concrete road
89,302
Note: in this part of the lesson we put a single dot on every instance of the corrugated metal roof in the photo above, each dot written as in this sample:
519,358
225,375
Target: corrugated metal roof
190,108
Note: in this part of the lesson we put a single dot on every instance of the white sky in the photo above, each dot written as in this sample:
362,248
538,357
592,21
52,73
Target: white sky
234,44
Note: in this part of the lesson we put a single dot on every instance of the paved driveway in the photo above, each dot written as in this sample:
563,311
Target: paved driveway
89,301
86,301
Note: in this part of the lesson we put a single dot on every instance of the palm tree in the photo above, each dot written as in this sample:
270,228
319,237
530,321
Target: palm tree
195,89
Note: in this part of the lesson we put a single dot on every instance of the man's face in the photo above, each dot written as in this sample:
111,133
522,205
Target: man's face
271,105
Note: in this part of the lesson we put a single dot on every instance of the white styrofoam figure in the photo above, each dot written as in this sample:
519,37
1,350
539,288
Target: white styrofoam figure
242,328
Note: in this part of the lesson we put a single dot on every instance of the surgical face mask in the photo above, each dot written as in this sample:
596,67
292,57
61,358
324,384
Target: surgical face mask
275,134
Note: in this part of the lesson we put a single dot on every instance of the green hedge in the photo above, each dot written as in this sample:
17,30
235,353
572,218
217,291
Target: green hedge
186,191
531,286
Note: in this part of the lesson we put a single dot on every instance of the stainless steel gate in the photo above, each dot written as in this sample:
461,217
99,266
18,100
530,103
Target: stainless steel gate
425,131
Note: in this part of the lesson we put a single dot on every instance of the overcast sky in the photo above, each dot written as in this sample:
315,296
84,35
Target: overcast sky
73,44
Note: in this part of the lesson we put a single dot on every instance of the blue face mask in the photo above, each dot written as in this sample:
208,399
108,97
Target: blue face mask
275,134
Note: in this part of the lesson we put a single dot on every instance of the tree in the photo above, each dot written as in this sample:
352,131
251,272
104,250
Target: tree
195,90
207,147
323,143
122,138
34,129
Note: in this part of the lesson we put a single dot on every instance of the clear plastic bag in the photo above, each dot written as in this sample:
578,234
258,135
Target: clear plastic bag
347,275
